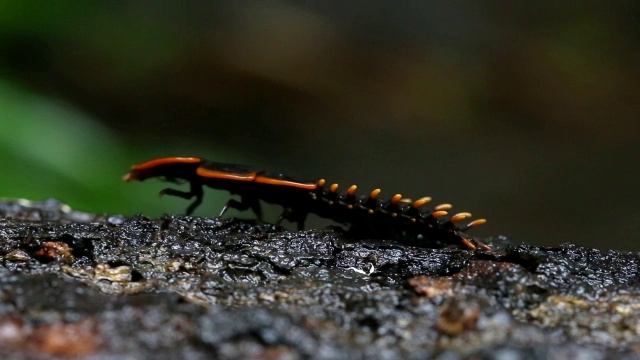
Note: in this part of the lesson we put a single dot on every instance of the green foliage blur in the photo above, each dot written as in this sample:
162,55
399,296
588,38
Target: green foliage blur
49,149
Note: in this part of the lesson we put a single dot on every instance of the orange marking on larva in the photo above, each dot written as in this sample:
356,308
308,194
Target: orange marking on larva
443,207
166,160
469,244
437,214
288,183
421,202
476,222
370,211
406,201
351,191
214,174
321,182
396,199
459,216
374,194
333,188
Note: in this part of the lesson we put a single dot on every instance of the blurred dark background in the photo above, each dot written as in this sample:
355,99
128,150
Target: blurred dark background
525,113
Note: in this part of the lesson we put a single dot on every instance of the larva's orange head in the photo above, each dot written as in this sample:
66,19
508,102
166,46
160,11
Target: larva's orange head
169,167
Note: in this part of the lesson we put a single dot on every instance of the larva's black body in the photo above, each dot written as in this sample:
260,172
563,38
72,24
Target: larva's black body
366,215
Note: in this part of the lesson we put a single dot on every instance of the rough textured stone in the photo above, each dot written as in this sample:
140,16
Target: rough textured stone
90,286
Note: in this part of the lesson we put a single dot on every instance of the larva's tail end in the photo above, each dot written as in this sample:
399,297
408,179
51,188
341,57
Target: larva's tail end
473,244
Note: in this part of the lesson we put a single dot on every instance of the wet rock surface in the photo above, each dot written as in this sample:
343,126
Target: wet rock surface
74,284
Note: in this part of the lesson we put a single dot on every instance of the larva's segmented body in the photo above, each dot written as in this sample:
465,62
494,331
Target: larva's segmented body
366,215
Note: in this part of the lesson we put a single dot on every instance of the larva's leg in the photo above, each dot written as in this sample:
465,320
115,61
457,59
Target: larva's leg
246,203
285,215
196,191
297,217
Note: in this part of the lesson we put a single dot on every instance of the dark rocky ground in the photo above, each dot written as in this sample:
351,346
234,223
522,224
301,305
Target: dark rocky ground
74,284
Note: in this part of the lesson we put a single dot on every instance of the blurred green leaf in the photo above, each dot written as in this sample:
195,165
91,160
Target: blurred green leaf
50,149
